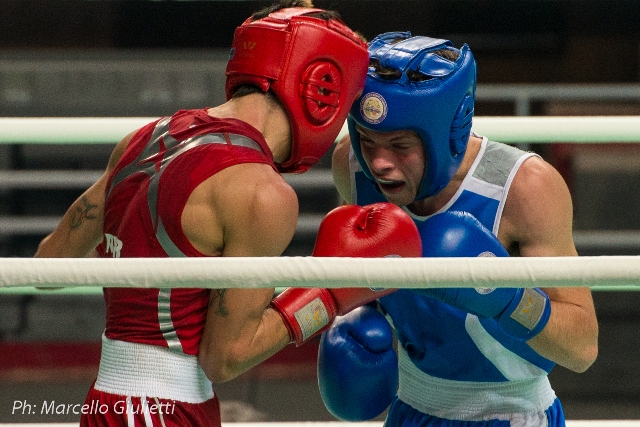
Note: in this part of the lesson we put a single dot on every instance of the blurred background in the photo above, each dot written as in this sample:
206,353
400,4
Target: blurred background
83,58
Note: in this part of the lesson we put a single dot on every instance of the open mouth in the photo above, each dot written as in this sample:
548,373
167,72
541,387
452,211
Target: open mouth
388,185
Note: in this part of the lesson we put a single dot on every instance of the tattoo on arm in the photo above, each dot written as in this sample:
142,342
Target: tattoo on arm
81,213
218,298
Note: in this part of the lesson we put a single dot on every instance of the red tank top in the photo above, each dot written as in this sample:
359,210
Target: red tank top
145,196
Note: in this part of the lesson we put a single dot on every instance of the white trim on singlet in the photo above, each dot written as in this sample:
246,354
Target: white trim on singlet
510,365
507,187
466,182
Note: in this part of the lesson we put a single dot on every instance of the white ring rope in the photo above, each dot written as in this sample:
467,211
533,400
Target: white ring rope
537,129
509,129
66,130
260,272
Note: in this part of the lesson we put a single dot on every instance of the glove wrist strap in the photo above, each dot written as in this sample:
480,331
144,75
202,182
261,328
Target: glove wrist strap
526,317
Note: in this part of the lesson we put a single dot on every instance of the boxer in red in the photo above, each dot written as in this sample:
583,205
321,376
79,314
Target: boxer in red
208,183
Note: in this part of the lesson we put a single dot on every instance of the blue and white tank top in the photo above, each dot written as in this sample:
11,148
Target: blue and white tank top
446,349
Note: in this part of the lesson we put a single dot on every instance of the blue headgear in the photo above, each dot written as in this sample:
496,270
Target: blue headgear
439,108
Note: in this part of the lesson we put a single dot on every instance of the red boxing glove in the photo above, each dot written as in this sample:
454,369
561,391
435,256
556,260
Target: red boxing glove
373,231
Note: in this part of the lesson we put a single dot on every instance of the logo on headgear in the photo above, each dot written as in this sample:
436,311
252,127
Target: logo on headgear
320,91
373,108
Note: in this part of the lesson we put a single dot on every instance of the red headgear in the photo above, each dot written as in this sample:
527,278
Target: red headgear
315,67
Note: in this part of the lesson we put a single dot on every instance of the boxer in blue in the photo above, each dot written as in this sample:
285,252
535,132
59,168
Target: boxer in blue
465,357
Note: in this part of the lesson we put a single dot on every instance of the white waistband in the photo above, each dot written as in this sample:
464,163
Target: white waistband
132,369
473,401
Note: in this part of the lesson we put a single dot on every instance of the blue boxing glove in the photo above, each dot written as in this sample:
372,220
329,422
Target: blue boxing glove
358,366
520,312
